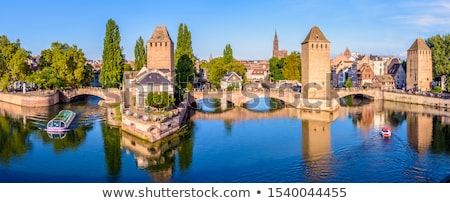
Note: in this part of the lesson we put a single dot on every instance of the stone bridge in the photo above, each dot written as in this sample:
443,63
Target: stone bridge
373,93
110,95
238,98
289,97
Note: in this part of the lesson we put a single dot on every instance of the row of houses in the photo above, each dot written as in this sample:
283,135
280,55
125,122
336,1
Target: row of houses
368,71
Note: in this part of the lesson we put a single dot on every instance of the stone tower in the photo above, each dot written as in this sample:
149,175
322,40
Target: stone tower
160,52
419,72
275,45
316,70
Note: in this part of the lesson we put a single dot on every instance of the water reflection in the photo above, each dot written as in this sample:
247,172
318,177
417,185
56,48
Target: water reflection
285,145
316,149
159,158
214,105
112,149
420,131
14,141
264,104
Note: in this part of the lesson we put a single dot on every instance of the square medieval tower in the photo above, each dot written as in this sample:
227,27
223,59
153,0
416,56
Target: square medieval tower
160,52
316,70
419,72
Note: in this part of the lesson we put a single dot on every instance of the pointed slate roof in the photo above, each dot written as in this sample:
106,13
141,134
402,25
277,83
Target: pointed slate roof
160,34
315,35
419,44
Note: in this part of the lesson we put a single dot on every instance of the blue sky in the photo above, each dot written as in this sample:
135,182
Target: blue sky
364,26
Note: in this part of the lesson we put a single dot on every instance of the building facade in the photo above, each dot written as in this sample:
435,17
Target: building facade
419,73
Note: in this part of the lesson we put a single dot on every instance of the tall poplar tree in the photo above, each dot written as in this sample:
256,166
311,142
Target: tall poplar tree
184,58
228,54
140,54
113,64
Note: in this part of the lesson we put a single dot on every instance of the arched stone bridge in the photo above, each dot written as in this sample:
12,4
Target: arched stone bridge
374,93
294,99
110,95
238,98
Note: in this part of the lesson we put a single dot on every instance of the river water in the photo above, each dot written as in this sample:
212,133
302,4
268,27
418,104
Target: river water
237,145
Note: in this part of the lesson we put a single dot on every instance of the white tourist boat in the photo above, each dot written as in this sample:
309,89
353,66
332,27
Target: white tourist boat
61,122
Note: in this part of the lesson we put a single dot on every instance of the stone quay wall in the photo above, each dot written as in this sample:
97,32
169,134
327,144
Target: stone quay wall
31,100
417,99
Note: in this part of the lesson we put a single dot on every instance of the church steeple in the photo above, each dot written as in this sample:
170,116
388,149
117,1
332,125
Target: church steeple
275,45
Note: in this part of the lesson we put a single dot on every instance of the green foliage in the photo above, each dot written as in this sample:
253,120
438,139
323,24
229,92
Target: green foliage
292,69
140,54
184,72
184,62
189,86
184,44
440,49
113,63
437,89
228,54
127,67
13,62
218,67
276,67
62,66
159,100
348,83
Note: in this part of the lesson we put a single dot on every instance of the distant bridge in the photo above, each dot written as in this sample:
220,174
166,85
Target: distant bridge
110,95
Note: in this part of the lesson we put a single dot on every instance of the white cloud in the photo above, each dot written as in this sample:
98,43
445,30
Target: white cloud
424,15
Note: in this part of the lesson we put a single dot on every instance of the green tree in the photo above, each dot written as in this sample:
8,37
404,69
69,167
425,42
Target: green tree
159,100
440,52
276,67
348,83
140,54
13,62
228,54
292,67
62,66
113,63
184,44
184,62
184,72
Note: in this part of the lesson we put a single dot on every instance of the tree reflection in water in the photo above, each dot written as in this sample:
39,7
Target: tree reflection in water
14,141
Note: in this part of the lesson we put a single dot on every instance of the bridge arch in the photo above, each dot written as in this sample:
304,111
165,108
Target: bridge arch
111,95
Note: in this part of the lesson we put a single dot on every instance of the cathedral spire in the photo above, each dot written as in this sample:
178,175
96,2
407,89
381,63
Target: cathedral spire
275,44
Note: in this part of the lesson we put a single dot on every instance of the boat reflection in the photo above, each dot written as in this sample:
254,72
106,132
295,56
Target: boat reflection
56,135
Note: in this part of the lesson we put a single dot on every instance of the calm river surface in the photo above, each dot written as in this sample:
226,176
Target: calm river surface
238,145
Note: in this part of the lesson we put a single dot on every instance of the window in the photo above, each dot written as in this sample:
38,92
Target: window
160,44
156,44
166,43
151,44
312,46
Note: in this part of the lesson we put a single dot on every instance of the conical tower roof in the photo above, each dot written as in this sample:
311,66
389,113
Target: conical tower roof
315,35
160,34
419,44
